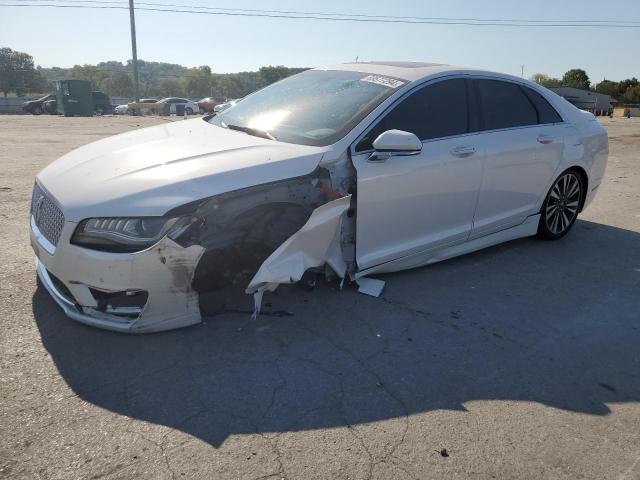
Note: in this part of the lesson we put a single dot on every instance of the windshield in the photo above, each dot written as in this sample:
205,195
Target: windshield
316,107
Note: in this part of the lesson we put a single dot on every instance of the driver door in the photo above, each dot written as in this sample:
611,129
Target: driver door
410,204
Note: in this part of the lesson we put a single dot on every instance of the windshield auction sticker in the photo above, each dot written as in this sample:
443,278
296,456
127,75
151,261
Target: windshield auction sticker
382,80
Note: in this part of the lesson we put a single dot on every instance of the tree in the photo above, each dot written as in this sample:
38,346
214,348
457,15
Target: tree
270,74
576,78
632,95
18,73
170,87
625,85
119,85
539,78
97,76
197,82
545,80
608,87
229,86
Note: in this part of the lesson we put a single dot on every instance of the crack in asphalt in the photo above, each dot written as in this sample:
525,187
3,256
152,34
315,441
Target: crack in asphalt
160,446
380,382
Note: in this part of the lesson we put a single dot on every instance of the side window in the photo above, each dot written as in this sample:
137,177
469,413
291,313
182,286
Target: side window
546,113
504,105
435,111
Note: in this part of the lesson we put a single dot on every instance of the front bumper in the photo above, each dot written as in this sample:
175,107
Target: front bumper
78,279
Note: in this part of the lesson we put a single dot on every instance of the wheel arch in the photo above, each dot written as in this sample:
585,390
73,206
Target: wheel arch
585,182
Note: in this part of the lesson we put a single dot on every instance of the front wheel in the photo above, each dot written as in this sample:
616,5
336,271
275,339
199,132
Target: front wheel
37,110
189,111
560,208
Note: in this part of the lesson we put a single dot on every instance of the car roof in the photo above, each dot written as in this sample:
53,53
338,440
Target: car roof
410,71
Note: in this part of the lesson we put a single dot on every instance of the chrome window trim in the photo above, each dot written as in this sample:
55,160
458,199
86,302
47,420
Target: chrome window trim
431,81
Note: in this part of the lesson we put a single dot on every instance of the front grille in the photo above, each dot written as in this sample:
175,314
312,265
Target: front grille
47,215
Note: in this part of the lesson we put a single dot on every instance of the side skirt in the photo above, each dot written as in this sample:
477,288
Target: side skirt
526,229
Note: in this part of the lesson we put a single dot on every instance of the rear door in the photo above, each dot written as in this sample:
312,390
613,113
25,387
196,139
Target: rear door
409,204
523,139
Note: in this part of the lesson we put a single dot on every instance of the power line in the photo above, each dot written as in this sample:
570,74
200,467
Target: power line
387,20
334,14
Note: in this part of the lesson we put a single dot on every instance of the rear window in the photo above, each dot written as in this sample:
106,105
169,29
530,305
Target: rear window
504,105
546,113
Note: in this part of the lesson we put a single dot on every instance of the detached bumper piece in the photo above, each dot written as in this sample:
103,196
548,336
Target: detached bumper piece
317,243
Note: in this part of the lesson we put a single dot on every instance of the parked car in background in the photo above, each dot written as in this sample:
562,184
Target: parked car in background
36,107
363,168
179,105
50,106
121,109
223,106
101,104
124,109
208,104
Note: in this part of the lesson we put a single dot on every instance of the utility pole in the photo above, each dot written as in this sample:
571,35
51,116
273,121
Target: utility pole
134,50
521,69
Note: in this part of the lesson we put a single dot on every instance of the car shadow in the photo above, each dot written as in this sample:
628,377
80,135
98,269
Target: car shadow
549,322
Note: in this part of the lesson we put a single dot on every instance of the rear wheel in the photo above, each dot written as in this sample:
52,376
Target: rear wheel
189,110
561,207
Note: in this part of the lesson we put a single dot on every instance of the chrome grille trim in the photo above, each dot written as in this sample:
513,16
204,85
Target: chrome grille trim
47,215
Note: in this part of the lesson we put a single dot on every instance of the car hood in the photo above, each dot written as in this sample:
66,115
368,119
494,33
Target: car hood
152,170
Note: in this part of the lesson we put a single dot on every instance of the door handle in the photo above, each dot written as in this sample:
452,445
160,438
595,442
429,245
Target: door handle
545,139
463,152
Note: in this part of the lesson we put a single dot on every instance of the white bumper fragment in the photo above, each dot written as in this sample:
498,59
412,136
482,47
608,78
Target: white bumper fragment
317,243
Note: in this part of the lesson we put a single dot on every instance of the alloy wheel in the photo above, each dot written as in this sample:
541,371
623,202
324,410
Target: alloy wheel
563,203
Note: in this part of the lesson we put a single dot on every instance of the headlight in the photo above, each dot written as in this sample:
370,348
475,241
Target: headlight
125,234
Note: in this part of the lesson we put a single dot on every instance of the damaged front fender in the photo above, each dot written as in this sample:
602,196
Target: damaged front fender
317,243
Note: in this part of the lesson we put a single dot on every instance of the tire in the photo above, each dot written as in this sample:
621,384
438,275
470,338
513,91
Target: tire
561,206
201,111
189,110
37,110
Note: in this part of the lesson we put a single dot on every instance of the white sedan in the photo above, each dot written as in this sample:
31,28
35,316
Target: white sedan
121,109
189,107
359,169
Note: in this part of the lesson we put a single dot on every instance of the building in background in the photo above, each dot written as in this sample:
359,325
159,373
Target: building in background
597,103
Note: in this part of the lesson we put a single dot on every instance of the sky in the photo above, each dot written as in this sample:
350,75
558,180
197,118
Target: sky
65,37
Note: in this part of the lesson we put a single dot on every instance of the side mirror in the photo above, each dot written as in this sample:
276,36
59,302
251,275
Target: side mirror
395,143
